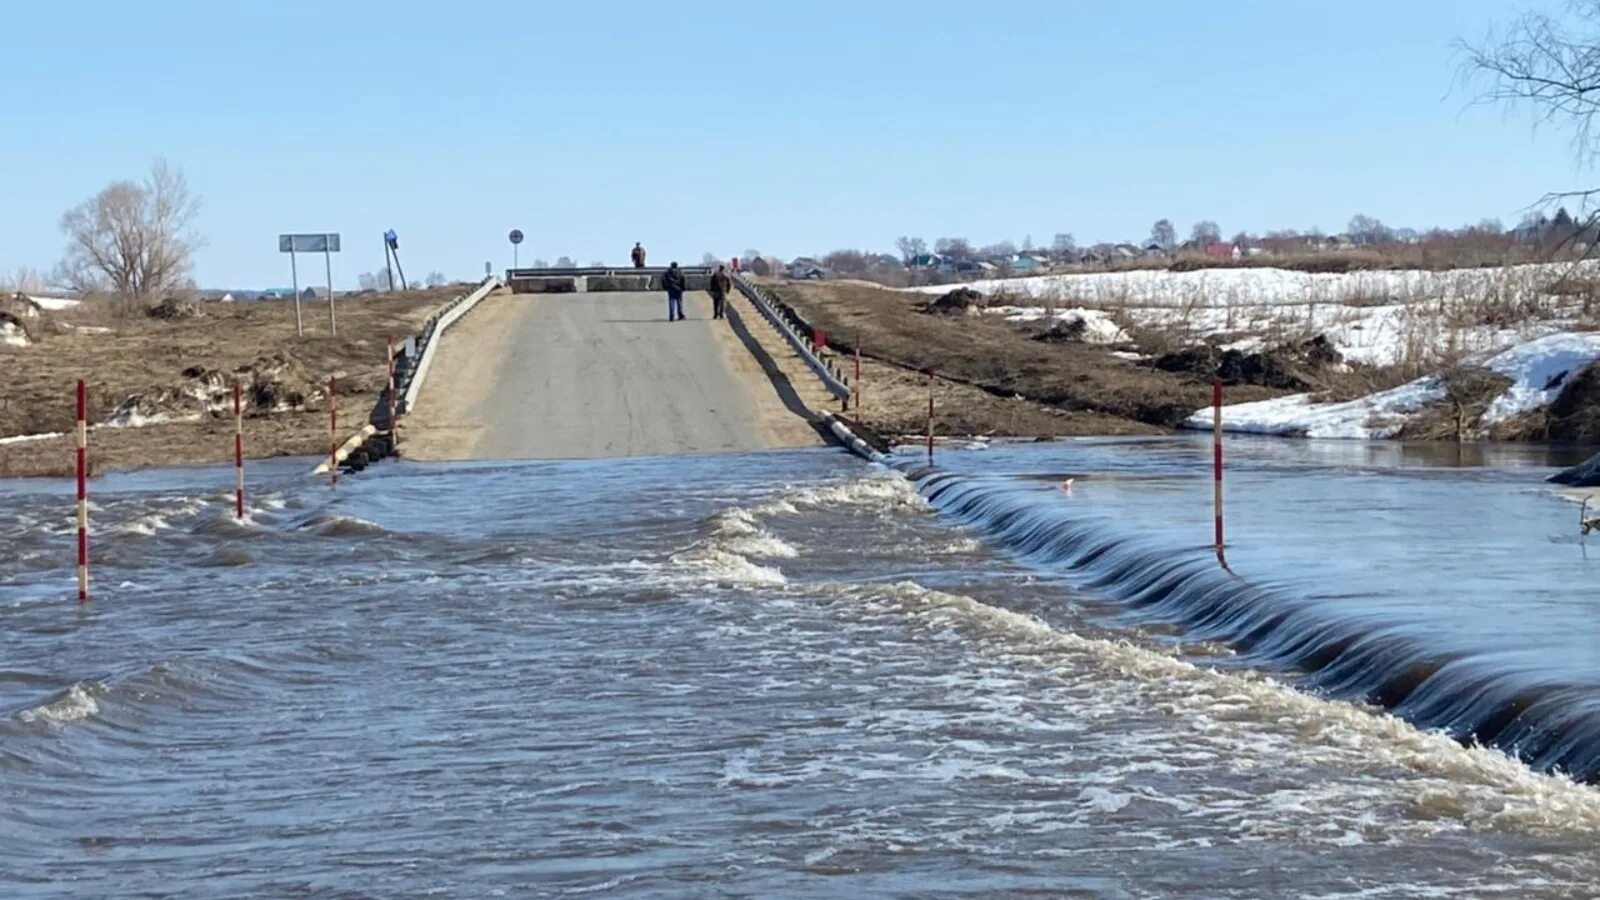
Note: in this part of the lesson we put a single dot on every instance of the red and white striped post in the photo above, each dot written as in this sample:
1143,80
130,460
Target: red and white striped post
930,415
238,451
333,433
1216,456
83,493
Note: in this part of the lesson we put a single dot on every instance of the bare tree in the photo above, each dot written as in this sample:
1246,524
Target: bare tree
955,248
1365,229
24,280
1163,234
434,279
910,248
132,238
1001,250
1205,233
1549,63
373,281
541,264
565,262
709,259
1064,244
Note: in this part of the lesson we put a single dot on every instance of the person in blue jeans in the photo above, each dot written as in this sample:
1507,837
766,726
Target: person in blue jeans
672,281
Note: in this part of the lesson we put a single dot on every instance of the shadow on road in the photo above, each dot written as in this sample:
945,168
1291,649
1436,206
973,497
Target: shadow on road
780,382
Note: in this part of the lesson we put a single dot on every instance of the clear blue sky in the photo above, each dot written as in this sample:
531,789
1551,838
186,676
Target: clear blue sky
793,128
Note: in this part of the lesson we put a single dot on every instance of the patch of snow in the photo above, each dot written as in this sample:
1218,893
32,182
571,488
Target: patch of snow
1098,325
29,438
53,303
91,329
1128,355
1373,417
1372,317
133,418
1538,371
12,336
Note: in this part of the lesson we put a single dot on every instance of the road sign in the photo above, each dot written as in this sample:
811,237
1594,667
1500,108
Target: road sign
392,239
516,235
308,243
327,245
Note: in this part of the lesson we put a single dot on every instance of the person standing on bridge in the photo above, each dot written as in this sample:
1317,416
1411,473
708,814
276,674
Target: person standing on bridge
718,287
638,255
672,281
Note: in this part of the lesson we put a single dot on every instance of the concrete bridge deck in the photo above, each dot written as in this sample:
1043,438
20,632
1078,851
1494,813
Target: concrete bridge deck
542,376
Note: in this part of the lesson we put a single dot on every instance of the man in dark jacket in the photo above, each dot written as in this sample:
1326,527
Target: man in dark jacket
672,281
718,288
638,255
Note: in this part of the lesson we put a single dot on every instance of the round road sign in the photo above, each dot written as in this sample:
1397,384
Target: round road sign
516,235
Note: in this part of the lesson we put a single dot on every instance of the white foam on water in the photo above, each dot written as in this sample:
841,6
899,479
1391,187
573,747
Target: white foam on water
736,531
144,525
74,704
727,567
959,547
883,489
1243,720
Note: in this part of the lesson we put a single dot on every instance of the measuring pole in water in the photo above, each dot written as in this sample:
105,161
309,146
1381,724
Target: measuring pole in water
238,451
1216,456
83,493
333,433
929,370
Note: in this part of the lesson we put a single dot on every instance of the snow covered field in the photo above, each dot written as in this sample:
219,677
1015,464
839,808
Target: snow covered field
1263,286
1375,318
1507,319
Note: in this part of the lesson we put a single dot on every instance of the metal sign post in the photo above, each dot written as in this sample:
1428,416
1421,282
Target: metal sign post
294,280
391,241
327,245
327,260
516,239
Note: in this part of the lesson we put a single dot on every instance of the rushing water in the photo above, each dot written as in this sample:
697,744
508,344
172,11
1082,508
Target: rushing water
788,674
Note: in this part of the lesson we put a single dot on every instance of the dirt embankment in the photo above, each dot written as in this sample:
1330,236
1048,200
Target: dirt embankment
165,383
997,378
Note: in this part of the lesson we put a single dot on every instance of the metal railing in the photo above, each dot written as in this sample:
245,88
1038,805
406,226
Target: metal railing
410,373
547,272
788,325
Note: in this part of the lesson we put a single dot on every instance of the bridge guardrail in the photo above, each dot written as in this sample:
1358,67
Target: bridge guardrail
836,383
428,339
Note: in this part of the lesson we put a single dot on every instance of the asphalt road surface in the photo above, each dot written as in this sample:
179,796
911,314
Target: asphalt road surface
547,376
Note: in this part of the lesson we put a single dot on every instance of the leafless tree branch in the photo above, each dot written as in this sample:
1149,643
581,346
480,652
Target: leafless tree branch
134,239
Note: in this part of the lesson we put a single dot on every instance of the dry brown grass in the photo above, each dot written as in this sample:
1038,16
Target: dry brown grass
142,354
1109,395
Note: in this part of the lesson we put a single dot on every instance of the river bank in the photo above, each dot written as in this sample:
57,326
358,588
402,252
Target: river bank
1498,354
160,389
